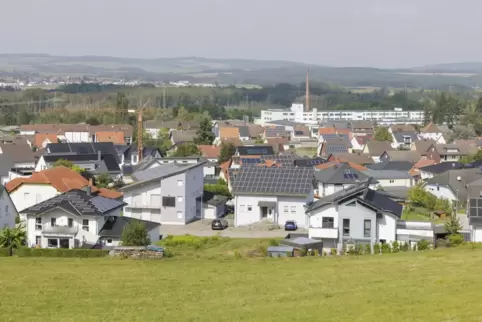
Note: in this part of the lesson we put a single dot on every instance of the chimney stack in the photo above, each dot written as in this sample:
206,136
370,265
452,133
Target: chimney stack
99,155
307,95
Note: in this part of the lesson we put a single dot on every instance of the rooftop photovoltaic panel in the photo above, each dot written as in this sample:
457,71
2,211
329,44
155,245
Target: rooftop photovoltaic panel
335,136
250,161
336,148
273,181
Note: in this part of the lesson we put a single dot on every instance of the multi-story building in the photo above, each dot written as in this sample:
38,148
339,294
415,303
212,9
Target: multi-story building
383,117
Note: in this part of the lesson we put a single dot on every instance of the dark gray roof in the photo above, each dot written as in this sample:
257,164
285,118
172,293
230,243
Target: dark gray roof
114,226
255,150
82,148
282,122
6,163
286,160
400,136
330,136
340,173
457,180
362,193
333,146
107,161
273,181
213,199
243,131
391,165
276,132
442,167
376,148
183,136
387,174
396,155
308,162
361,125
77,202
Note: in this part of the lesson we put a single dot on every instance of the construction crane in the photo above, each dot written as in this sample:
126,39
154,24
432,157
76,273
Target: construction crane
140,130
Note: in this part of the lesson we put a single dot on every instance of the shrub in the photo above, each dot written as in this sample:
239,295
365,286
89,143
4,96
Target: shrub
395,247
441,242
135,234
190,241
4,252
273,242
333,251
303,252
386,249
455,240
405,247
376,248
167,253
368,249
60,252
423,245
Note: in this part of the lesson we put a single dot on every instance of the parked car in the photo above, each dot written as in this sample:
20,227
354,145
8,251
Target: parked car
291,225
219,224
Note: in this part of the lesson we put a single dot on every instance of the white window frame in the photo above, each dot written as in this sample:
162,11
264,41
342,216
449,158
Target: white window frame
179,199
250,208
241,208
84,226
293,209
179,215
180,183
286,209
38,223
26,195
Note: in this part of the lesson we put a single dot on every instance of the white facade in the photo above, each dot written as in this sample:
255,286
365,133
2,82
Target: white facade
476,233
248,209
78,137
326,189
440,191
29,194
406,182
437,137
383,117
8,212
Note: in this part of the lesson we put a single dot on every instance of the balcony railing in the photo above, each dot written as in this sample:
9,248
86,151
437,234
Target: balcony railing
49,229
318,232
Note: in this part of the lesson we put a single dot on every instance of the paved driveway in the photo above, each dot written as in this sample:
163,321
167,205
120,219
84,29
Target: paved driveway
464,221
203,228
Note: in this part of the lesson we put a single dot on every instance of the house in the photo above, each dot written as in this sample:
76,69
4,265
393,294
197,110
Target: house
391,165
331,146
275,132
8,212
474,210
43,185
244,133
431,171
391,178
114,137
182,136
152,127
337,177
129,156
214,206
42,139
362,128
376,148
361,159
415,170
229,133
169,194
300,132
357,214
94,163
401,128
276,194
210,152
403,140
397,155
449,152
307,162
70,220
452,184
209,167
110,234
254,150
422,146
62,149
358,142
21,155
432,132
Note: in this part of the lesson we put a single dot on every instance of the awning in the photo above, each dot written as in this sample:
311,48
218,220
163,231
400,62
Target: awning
271,204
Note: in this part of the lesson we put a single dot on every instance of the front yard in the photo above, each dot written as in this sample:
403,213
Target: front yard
203,285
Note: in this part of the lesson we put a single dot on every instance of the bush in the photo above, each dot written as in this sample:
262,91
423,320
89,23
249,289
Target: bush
386,249
368,249
405,247
376,248
395,247
455,240
190,241
423,244
4,252
60,252
441,242
333,251
135,234
273,242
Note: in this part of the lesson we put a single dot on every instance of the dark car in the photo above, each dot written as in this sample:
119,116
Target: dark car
291,225
219,224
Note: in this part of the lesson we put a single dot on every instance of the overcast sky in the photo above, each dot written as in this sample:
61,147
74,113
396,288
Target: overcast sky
378,33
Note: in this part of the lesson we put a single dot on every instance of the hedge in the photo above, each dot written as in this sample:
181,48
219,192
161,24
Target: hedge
4,252
60,252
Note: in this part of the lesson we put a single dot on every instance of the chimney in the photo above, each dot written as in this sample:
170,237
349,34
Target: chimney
88,190
307,95
99,155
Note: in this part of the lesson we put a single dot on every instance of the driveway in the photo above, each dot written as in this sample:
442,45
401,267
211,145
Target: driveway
203,228
464,221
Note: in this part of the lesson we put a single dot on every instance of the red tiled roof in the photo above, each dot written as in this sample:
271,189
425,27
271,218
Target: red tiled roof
114,137
209,151
332,164
41,137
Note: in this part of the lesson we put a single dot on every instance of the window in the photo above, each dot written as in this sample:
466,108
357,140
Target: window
285,209
241,208
179,199
109,241
179,215
392,181
367,228
53,221
134,158
168,201
180,183
351,204
85,224
38,223
71,222
293,209
53,243
346,227
250,208
26,195
38,240
438,188
328,222
38,198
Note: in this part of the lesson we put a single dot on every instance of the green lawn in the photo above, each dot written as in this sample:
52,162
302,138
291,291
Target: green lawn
420,215
437,285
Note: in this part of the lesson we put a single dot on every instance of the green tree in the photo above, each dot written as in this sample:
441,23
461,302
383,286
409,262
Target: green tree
186,150
416,195
219,189
383,135
122,106
103,180
453,226
70,165
12,238
135,234
478,106
204,134
226,152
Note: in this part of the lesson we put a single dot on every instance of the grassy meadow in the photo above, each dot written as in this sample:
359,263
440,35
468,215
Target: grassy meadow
208,283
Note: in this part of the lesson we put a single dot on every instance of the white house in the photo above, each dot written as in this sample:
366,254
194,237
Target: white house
391,178
8,212
69,220
474,210
170,194
338,177
357,214
276,194
432,132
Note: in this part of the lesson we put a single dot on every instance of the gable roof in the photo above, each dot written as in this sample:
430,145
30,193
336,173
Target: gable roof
402,128
229,132
62,128
332,146
430,128
114,137
62,179
182,136
114,226
391,165
18,153
105,162
277,181
341,173
77,202
410,156
41,137
387,174
82,148
243,131
362,193
253,150
442,167
422,146
209,151
362,159
171,125
457,180
330,164
279,131
361,125
455,149
363,139
401,135
255,130
376,148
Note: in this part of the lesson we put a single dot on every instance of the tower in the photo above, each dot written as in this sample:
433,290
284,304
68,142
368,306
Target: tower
307,95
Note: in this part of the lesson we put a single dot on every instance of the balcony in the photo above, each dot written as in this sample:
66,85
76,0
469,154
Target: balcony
58,230
318,232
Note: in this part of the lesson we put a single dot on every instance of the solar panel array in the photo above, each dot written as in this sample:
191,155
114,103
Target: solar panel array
250,161
350,176
283,159
336,148
308,162
276,133
274,181
331,136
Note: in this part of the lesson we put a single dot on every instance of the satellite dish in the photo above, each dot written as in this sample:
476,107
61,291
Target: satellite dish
459,178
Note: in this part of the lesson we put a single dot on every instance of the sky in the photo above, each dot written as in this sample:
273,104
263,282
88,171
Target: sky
365,33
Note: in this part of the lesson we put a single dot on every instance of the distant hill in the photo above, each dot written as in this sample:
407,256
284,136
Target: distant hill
238,71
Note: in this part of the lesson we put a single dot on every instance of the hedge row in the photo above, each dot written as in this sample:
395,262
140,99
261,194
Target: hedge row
4,252
60,252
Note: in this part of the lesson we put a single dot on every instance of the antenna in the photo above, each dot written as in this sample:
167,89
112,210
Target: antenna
307,95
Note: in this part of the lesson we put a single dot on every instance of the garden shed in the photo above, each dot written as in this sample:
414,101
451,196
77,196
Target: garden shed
280,251
303,243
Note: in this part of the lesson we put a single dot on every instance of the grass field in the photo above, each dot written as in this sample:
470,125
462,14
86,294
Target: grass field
438,285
